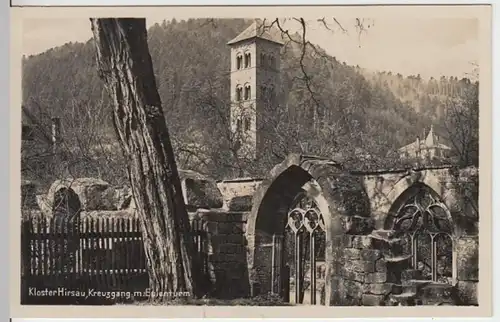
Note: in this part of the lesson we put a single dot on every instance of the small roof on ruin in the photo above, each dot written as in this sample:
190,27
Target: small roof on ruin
259,29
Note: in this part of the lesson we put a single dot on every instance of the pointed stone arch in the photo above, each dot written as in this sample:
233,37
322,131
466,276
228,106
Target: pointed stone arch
426,177
421,221
321,178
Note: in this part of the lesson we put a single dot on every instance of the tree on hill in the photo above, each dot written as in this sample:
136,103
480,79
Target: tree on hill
462,126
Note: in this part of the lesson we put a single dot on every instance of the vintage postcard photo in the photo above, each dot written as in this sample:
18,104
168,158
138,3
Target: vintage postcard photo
291,158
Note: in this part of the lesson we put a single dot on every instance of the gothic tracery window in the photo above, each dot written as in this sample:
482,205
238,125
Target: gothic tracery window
427,230
305,251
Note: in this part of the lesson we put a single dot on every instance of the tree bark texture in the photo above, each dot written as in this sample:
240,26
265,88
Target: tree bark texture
125,66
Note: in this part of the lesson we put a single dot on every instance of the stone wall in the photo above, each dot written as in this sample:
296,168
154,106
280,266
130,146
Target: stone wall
467,253
372,271
366,263
224,249
377,272
223,240
237,194
458,189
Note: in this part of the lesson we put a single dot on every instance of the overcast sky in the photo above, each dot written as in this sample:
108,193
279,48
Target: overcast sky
430,47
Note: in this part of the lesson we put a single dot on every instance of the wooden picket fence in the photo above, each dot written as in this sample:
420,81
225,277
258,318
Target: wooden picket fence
92,253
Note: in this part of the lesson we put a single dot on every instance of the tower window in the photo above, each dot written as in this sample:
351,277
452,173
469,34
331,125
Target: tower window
239,61
248,60
239,92
271,62
238,126
263,60
247,124
271,93
248,93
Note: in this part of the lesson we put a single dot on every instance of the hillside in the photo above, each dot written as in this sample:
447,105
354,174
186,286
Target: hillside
346,113
427,97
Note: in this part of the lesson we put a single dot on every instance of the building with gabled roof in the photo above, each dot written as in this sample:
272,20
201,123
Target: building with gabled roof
261,30
430,148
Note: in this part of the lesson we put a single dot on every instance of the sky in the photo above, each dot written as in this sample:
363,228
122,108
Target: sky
425,46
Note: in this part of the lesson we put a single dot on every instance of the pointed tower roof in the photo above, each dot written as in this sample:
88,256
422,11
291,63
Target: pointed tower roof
431,139
259,30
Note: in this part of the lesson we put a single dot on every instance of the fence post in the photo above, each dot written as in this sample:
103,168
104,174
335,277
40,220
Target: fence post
25,260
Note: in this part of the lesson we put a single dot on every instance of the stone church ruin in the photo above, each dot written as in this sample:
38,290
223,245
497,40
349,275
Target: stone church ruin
313,233
310,232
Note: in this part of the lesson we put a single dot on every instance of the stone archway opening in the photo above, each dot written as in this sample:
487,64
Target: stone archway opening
287,239
66,204
270,223
306,199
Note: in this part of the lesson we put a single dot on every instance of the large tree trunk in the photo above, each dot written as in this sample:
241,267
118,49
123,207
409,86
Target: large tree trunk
125,65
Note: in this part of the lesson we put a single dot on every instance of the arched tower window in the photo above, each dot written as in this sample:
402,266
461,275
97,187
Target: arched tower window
238,125
247,124
248,92
263,91
239,93
425,225
263,60
239,61
271,62
248,60
270,93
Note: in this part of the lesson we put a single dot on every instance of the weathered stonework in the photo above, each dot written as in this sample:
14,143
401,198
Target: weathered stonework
94,194
199,191
238,194
367,262
372,300
467,250
225,249
468,258
467,292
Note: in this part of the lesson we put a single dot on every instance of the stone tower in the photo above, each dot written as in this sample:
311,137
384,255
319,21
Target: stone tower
255,81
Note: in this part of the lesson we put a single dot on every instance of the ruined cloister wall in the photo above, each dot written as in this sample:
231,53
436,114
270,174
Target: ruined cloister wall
224,252
365,264
237,194
221,231
458,190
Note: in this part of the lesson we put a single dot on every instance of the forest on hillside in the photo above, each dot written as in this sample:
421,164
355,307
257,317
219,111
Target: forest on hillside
426,96
328,107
